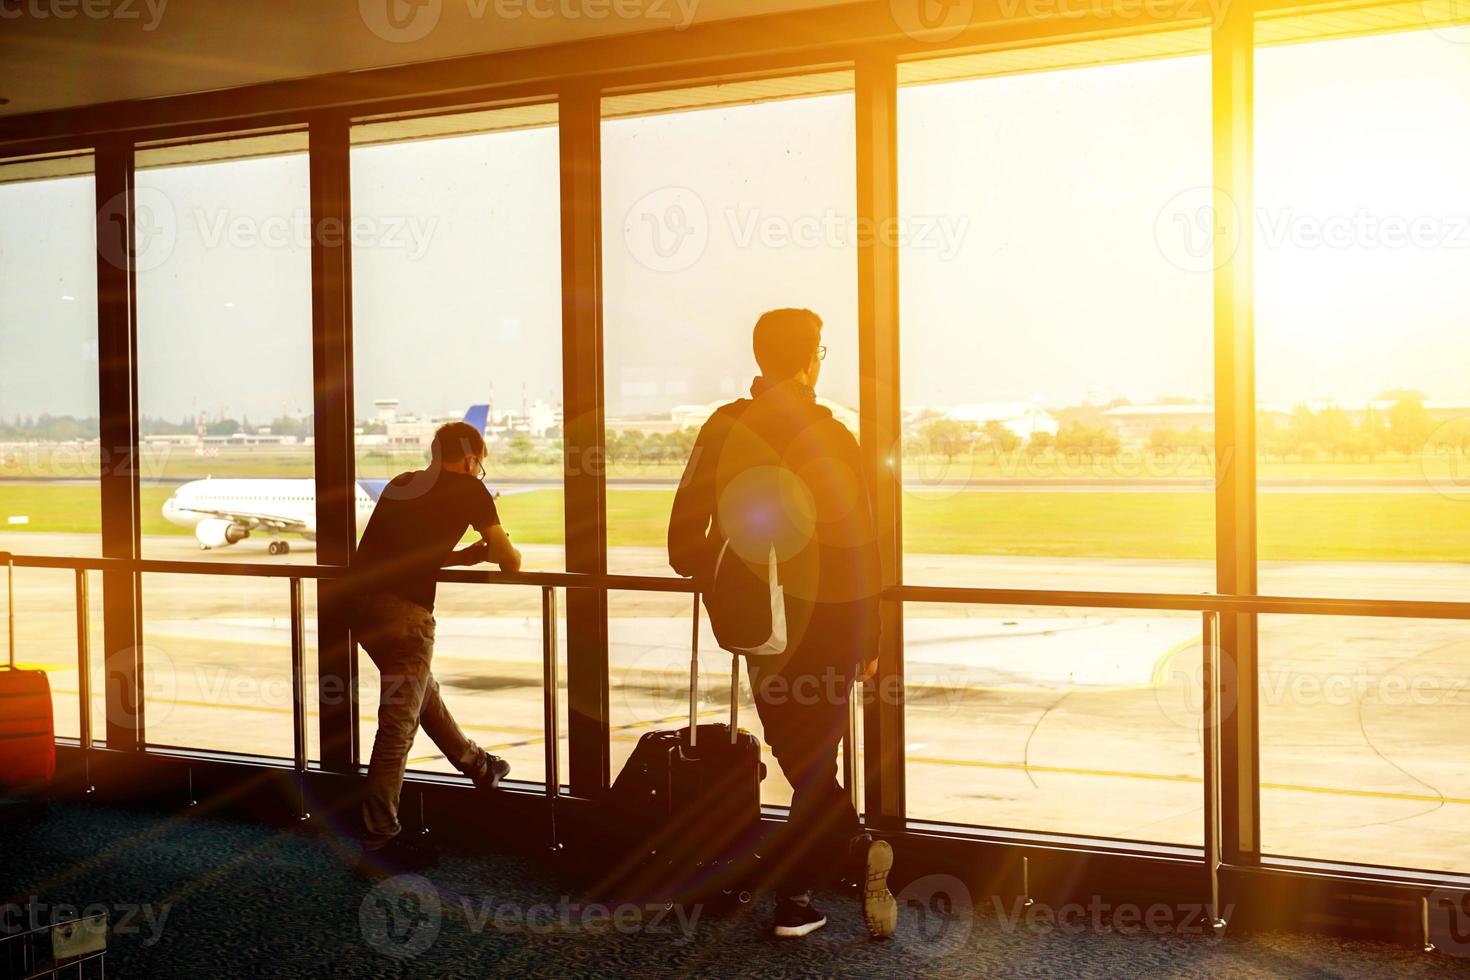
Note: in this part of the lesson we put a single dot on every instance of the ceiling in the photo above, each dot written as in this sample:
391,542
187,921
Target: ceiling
65,53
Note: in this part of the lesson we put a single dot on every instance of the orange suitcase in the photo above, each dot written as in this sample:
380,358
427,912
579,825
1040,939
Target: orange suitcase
27,727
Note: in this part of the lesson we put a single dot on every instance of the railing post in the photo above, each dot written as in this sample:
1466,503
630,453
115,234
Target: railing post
551,706
1211,717
84,676
298,696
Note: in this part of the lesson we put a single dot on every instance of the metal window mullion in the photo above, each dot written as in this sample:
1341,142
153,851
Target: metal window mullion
331,328
585,514
876,101
117,403
1232,59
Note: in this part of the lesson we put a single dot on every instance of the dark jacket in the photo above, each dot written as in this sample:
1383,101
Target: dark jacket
778,469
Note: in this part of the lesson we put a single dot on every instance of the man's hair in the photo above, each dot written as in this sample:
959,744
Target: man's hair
454,441
786,341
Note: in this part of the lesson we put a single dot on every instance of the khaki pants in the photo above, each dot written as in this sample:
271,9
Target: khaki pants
399,637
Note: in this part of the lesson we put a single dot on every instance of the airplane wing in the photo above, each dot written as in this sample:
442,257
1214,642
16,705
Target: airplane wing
255,522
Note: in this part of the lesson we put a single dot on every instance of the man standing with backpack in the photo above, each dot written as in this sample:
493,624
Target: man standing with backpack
774,488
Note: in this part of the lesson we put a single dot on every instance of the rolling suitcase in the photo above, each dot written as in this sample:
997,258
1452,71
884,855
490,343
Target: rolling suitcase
27,728
686,809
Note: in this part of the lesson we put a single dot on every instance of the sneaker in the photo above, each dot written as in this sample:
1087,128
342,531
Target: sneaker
794,919
400,856
880,910
495,770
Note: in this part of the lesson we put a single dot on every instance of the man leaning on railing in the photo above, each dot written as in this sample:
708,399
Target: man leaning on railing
419,519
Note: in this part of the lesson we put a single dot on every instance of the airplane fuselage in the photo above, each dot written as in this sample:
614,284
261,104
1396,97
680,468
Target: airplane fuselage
224,512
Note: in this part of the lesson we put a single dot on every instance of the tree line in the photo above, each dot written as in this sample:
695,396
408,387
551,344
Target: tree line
1330,432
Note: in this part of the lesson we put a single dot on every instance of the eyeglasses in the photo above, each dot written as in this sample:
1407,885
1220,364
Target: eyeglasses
482,474
822,352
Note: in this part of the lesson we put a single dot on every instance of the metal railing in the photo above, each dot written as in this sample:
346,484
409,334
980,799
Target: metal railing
1210,606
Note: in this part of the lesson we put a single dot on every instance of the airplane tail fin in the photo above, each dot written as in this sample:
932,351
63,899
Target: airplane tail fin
478,416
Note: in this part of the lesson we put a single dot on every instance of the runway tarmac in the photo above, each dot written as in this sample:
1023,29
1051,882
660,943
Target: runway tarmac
1072,721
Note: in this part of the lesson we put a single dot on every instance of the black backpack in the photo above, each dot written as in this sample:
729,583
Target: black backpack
744,597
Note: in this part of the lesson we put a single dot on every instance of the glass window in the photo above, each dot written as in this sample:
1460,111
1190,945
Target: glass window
1056,304
488,662
1363,740
1070,721
49,457
46,639
456,298
718,203
1362,234
224,348
217,664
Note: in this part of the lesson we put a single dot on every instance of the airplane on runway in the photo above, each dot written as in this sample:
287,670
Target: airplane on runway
226,512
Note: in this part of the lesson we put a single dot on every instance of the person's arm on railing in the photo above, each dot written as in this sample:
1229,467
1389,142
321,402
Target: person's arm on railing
494,545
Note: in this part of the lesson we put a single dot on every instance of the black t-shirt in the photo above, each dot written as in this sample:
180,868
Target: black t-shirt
418,520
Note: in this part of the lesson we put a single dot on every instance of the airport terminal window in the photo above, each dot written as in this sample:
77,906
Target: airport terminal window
1057,380
718,204
224,348
1060,720
457,315
1361,241
1057,392
49,458
217,664
1363,429
456,285
45,639
1363,740
487,659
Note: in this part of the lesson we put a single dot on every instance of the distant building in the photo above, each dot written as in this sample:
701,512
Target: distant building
694,416
1023,419
1135,423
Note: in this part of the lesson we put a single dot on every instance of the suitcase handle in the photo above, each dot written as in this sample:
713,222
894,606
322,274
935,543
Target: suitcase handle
9,560
694,686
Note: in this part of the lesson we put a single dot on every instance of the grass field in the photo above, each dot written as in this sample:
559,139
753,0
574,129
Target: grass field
1297,527
48,462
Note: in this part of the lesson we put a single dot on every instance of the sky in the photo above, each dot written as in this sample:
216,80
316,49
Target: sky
1051,252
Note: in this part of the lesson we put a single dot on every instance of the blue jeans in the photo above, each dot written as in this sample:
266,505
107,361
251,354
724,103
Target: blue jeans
399,637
